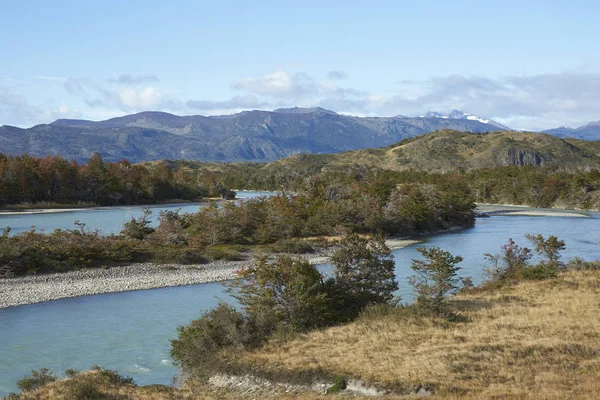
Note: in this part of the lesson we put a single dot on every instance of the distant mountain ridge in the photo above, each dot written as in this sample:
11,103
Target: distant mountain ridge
458,114
259,136
591,131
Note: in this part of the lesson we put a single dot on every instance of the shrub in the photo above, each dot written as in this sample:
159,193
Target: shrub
85,390
339,383
71,373
36,380
138,228
114,378
291,246
176,255
550,249
196,349
363,275
224,254
580,265
510,263
539,272
436,278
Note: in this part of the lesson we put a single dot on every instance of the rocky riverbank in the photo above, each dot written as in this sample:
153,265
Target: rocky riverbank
40,288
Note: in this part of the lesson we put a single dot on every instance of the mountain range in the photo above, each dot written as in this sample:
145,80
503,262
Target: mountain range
258,136
590,131
458,114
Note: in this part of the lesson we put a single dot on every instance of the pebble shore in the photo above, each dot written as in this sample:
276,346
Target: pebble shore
39,288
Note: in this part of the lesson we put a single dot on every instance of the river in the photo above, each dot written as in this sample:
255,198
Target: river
106,219
130,331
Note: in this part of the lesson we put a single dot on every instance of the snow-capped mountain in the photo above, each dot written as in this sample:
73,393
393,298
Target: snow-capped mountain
458,114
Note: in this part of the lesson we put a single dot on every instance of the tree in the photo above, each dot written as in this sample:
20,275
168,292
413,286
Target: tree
436,278
510,263
363,274
549,248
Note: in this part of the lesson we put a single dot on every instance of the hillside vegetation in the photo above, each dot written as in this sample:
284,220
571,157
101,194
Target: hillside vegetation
446,151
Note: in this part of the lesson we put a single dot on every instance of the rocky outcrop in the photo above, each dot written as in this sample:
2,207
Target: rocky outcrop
522,158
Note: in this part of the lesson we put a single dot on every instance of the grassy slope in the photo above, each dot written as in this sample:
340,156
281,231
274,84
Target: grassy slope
534,340
446,150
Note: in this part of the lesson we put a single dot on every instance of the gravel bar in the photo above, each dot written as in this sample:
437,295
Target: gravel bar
39,288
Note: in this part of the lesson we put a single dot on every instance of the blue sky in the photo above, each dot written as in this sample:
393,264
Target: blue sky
531,65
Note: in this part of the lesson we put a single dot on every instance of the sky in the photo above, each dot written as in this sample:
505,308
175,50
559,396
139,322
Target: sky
528,64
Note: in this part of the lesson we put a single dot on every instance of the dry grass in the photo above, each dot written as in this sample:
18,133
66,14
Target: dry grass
536,340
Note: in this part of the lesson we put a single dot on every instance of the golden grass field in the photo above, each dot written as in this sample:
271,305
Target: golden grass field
533,340
538,340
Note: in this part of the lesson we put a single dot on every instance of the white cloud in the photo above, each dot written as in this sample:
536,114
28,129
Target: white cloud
336,75
128,79
16,110
536,101
128,96
235,103
278,84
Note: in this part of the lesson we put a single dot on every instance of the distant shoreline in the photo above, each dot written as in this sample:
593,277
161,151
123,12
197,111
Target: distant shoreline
50,210
490,208
32,289
520,210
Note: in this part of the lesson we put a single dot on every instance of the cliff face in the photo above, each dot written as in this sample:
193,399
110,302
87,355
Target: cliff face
522,158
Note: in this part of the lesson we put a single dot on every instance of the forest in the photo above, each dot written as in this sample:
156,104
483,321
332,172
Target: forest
25,179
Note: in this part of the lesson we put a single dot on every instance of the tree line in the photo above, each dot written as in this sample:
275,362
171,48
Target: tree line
26,179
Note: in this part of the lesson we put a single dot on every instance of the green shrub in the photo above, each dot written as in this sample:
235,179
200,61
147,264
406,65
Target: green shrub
198,345
170,255
579,264
36,380
541,271
138,228
225,255
339,383
436,279
509,264
85,390
71,373
114,378
290,289
363,276
291,246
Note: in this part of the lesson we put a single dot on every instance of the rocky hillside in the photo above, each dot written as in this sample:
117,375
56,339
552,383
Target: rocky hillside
448,150
248,136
